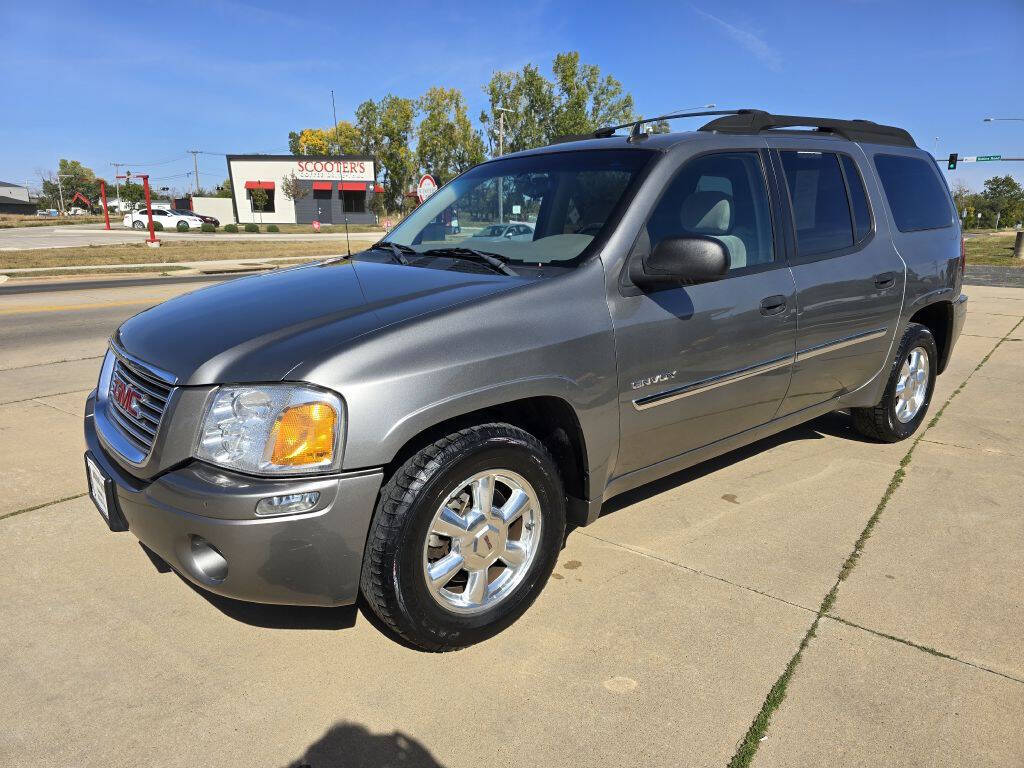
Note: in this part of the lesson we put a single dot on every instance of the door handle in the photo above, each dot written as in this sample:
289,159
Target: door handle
885,280
773,305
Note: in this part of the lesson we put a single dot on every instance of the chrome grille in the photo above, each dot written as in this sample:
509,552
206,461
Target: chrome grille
141,428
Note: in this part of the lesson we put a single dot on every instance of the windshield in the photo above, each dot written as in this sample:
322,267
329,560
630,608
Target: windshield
538,209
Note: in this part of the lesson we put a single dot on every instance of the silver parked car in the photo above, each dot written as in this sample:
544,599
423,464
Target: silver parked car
419,422
517,230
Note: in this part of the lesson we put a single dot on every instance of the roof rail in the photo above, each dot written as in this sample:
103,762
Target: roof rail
634,126
747,121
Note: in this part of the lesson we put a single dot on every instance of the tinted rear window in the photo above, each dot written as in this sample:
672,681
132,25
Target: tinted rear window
858,198
917,197
821,211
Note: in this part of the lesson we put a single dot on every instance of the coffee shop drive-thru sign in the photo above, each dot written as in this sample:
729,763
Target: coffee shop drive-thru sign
335,170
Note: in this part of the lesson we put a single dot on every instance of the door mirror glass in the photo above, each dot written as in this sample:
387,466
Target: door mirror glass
681,261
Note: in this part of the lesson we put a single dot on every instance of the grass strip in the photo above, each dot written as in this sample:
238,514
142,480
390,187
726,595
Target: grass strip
776,695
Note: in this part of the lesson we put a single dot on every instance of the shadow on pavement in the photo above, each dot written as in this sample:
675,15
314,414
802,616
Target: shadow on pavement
347,745
835,424
279,616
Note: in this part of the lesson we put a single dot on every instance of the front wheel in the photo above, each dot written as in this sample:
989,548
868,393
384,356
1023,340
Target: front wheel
182,226
464,537
908,392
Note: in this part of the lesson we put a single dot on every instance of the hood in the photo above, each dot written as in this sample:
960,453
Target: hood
259,328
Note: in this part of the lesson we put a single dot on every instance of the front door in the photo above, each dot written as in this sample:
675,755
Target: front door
322,205
849,277
700,363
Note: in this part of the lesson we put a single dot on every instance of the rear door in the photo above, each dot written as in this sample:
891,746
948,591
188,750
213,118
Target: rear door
849,278
703,362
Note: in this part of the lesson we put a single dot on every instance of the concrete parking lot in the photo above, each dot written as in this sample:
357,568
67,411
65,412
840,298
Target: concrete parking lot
862,600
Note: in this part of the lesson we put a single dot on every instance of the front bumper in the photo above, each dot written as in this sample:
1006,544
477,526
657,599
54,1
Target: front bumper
313,558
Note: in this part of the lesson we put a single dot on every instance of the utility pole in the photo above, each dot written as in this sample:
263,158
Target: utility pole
501,150
334,114
117,184
195,165
60,189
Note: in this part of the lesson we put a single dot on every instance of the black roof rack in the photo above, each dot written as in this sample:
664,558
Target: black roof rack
746,121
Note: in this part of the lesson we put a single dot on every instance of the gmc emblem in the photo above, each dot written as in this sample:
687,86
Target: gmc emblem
129,398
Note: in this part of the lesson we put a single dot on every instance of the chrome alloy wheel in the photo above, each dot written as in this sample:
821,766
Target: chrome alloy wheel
482,541
912,385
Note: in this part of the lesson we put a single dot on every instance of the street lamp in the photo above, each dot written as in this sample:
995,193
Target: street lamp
1003,119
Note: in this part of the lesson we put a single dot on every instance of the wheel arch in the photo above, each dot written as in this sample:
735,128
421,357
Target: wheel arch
551,419
937,317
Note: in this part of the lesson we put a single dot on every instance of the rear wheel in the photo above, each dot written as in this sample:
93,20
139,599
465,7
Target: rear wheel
136,224
908,392
465,536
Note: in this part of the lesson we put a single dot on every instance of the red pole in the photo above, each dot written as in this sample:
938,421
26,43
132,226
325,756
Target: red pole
103,196
149,208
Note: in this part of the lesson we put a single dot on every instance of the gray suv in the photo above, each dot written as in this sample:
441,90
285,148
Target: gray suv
418,423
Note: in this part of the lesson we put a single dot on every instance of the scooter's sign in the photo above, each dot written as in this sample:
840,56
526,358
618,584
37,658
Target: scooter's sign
335,170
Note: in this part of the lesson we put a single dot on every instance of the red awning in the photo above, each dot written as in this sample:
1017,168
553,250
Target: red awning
322,185
352,186
259,185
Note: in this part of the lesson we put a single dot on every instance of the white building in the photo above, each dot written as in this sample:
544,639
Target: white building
333,188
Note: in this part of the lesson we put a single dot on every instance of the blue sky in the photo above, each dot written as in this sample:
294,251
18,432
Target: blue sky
141,82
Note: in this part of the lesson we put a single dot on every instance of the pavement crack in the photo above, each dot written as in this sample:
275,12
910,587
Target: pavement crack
50,362
925,648
6,515
696,571
749,744
39,398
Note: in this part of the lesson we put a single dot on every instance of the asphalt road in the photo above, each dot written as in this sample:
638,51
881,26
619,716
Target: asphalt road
656,643
70,236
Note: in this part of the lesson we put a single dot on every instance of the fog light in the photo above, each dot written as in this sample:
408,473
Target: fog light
291,504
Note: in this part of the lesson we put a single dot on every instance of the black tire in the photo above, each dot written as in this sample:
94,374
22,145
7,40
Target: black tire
182,226
136,224
880,422
393,583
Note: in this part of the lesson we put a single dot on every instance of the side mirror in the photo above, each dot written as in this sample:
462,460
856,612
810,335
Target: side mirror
681,261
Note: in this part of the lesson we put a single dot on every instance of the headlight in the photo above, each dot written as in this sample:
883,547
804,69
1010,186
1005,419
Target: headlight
274,429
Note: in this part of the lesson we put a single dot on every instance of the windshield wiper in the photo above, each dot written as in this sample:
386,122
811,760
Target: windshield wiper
492,260
396,250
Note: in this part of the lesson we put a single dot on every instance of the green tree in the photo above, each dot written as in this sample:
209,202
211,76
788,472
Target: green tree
258,198
224,190
578,100
1004,196
448,144
386,128
961,196
585,101
529,100
131,194
74,177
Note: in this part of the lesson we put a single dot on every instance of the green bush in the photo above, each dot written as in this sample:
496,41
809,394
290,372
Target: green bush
208,227
182,226
158,226
232,228
273,228
250,227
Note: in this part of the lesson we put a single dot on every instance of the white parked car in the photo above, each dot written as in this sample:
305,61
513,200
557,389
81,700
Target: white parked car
513,230
170,220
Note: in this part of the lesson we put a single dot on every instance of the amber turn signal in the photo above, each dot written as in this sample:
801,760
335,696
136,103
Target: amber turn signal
303,435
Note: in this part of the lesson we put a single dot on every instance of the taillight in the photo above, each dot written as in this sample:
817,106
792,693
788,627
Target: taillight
963,255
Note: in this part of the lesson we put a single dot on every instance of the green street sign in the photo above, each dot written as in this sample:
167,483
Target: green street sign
989,157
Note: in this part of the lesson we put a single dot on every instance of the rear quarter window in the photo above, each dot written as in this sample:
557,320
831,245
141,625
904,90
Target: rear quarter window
917,197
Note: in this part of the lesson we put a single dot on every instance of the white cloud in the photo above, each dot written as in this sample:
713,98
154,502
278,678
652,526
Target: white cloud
763,52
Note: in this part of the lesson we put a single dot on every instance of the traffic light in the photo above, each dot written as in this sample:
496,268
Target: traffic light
952,161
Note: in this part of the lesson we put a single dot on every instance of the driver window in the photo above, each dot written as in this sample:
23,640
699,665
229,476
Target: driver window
723,196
